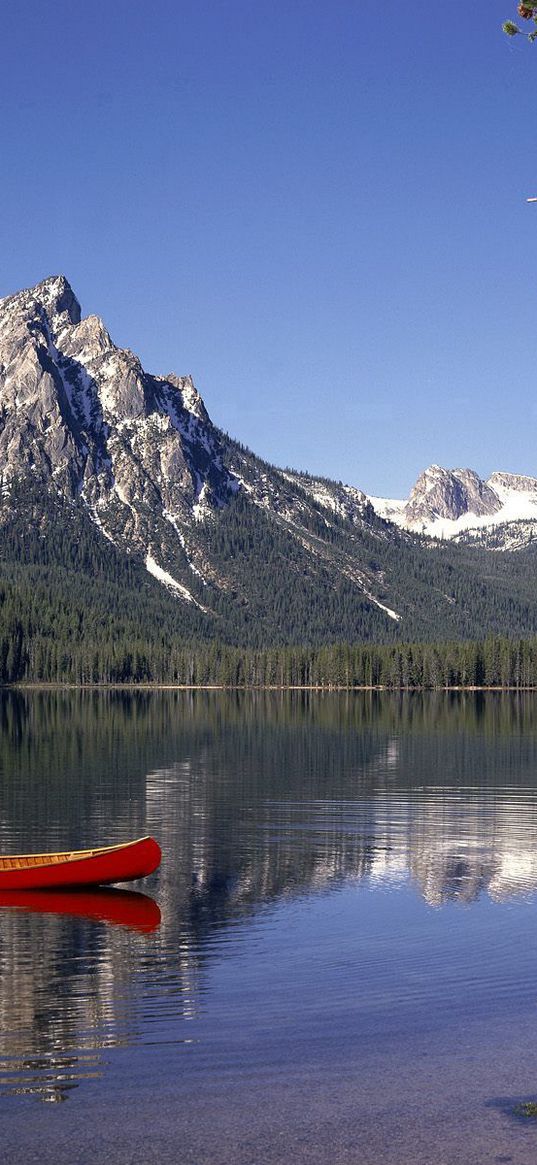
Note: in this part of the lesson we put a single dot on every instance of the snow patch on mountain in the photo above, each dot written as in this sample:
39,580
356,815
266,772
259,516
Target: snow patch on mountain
382,607
94,515
200,509
391,509
164,577
170,518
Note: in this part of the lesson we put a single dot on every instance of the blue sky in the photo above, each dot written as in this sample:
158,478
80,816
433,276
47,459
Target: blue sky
315,208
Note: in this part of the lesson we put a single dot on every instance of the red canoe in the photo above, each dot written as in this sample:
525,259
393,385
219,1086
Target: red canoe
87,867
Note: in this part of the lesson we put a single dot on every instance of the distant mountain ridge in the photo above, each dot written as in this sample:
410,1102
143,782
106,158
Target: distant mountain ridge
500,513
94,448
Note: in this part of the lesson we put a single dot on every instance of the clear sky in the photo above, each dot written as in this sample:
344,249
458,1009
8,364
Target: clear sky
315,207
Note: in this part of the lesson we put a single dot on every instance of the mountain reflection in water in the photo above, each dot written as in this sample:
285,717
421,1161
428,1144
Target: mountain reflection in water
257,801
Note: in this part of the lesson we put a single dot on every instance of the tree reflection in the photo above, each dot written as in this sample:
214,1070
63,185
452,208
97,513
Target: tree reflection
254,799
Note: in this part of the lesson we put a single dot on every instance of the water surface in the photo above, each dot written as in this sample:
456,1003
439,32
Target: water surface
338,958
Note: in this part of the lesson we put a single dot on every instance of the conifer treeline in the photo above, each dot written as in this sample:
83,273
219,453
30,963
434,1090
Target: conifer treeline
27,655
74,610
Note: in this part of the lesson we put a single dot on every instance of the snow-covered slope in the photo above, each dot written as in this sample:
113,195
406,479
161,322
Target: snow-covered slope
500,513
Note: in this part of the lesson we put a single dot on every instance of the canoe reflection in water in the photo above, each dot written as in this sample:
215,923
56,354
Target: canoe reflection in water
119,907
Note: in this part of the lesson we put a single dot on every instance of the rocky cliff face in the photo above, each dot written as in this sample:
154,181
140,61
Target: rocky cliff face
512,483
82,416
445,493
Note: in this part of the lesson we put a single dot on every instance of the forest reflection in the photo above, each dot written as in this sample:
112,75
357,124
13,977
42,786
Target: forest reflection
255,799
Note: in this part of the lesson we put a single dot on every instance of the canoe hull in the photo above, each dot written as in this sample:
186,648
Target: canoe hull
103,867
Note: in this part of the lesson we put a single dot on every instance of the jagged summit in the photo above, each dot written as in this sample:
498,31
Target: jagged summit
54,295
449,503
82,417
190,396
445,493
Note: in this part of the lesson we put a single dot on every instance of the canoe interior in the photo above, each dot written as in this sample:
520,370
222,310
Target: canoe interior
30,861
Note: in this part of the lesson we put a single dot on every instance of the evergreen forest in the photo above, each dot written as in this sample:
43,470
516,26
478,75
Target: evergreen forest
75,610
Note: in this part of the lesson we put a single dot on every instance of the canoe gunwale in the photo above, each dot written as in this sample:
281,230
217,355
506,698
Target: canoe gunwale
70,857
103,866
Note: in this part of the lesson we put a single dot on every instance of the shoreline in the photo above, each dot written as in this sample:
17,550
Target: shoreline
59,685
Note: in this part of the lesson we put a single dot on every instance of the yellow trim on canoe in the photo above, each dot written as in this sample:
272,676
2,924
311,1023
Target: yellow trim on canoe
25,861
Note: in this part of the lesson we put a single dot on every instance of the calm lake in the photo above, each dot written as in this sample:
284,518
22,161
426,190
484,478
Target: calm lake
337,961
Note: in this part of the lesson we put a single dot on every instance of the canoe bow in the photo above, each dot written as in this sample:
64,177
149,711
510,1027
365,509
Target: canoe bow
99,866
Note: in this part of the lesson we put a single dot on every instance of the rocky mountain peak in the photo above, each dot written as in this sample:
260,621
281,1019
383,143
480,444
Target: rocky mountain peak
449,493
512,481
500,513
81,418
53,297
59,299
90,336
190,397
137,455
